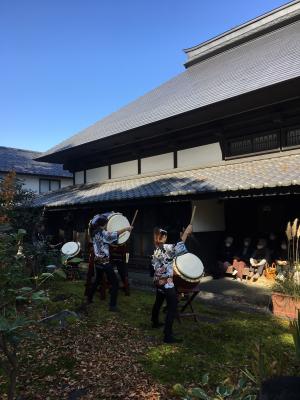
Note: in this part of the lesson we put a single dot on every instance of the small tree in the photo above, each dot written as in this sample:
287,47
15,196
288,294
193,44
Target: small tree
20,294
20,290
16,204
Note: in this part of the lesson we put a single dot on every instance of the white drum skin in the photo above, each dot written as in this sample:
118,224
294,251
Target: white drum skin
188,270
117,221
70,249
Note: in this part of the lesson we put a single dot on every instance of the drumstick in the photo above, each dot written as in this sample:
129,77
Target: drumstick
193,215
135,215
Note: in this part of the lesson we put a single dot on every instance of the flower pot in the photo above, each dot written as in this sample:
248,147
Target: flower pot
285,305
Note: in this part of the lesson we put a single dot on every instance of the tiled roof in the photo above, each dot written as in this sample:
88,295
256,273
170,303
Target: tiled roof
256,173
21,161
261,62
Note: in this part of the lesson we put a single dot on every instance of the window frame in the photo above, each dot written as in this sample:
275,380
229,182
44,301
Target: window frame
49,180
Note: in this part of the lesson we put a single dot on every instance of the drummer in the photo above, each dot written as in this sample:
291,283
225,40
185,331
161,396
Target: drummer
101,240
162,261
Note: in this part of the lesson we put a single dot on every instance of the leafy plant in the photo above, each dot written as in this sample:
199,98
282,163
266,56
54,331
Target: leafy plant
15,202
290,283
243,390
19,295
295,328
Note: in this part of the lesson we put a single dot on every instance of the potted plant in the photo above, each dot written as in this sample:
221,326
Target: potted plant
286,292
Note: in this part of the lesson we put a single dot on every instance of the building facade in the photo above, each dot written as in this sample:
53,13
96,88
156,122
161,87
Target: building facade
223,135
37,176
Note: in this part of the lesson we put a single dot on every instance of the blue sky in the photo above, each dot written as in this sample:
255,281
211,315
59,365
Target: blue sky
67,63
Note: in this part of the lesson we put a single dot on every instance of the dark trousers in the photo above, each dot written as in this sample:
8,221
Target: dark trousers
171,298
108,270
260,269
122,268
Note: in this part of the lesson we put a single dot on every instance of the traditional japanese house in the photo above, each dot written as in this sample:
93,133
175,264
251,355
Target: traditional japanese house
224,135
37,176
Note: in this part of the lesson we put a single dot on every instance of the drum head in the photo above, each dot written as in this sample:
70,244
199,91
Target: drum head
70,249
117,222
189,266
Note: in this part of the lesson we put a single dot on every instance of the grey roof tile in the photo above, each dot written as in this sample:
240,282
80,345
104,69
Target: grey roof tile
261,62
22,161
257,173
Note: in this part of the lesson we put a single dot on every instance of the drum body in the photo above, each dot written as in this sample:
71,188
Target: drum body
117,221
188,270
70,249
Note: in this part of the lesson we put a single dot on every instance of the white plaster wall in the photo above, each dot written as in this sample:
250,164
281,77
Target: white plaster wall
31,182
99,174
65,182
209,216
124,169
157,163
199,156
79,177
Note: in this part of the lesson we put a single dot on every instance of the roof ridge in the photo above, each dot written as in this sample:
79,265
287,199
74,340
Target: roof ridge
16,148
247,31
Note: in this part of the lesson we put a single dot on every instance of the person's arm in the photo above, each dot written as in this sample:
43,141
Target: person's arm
188,231
111,237
128,229
262,262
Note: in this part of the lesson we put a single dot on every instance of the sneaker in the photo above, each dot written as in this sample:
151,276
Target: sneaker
113,309
234,272
172,339
157,324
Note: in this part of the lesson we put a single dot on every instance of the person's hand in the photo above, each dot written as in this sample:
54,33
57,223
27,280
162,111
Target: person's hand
189,229
181,232
129,229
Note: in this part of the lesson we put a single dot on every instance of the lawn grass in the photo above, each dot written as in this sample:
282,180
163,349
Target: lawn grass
223,343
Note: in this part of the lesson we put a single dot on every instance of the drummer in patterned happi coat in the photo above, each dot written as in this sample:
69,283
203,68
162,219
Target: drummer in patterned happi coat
162,262
102,239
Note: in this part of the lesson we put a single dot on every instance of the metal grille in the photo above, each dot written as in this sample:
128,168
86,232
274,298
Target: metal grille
293,137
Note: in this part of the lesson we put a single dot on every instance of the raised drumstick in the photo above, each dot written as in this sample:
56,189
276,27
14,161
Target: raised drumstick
193,215
135,215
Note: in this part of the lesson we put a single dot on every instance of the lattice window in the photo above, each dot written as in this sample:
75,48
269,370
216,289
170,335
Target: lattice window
293,137
241,146
265,142
253,144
